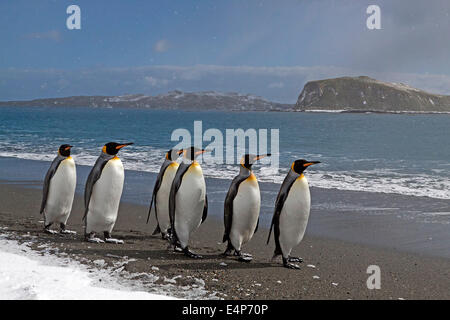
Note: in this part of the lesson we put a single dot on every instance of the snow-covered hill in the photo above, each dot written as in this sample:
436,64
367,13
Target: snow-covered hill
173,100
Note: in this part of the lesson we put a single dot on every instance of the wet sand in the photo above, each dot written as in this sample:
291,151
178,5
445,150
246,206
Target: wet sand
332,268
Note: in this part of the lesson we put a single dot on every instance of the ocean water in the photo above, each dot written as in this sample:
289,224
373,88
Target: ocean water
397,154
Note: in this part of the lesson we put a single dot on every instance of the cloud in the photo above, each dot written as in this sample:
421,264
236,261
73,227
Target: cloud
161,46
155,82
48,35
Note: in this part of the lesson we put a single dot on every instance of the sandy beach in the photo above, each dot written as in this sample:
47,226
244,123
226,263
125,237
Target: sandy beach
332,269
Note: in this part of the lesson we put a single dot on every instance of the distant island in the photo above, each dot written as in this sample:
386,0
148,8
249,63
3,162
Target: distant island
364,94
173,100
345,94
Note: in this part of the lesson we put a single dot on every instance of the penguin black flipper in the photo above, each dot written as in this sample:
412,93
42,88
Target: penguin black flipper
205,209
156,231
50,173
279,203
228,205
94,175
176,183
158,183
257,225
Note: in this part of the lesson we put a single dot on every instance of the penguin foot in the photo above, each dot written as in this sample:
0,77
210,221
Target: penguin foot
65,231
295,259
95,240
191,254
113,240
48,231
110,239
289,265
92,238
177,248
245,257
227,252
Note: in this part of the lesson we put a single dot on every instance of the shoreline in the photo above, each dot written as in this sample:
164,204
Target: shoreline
418,225
328,111
339,265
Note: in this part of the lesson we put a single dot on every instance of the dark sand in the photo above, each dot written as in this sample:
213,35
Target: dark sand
403,275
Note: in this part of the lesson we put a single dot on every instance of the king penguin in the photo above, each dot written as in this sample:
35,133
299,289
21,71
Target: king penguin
59,190
188,204
291,213
102,193
241,209
161,191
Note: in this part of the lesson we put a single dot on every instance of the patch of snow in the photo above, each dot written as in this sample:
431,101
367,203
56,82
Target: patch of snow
22,276
99,262
46,274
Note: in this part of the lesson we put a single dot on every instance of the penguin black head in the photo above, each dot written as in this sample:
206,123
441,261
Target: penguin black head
173,154
112,148
64,150
298,166
193,152
248,160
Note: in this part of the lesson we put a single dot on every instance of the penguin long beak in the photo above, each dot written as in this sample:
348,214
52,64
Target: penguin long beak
202,151
311,163
260,156
180,151
120,146
68,148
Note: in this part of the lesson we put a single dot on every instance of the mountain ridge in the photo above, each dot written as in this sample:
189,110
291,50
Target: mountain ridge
173,100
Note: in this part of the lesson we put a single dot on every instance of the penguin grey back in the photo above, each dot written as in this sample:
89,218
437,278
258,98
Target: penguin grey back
244,173
281,198
50,173
158,182
176,183
94,175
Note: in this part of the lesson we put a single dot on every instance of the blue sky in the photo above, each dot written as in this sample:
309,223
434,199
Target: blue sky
268,48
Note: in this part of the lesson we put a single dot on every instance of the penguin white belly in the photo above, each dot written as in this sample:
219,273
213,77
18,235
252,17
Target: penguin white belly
162,197
189,203
294,216
246,206
105,198
61,193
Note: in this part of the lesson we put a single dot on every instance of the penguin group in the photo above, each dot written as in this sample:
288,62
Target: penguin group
179,201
